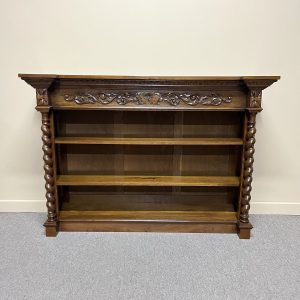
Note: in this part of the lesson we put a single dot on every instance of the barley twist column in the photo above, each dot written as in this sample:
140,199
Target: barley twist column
248,168
44,106
48,167
246,187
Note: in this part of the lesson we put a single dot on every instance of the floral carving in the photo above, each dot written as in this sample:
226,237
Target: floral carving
255,98
144,98
42,97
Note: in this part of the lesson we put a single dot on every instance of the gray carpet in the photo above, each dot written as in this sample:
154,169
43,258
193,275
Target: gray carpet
149,265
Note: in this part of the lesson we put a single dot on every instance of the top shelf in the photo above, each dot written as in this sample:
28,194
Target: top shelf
148,84
207,78
147,141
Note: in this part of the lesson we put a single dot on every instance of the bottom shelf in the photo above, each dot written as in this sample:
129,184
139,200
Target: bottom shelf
190,227
144,216
148,209
210,222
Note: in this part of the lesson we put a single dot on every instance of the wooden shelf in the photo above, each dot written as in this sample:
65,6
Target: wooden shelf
180,216
117,137
147,141
115,180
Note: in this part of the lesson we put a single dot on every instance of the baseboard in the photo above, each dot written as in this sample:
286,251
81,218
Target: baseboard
283,208
280,208
22,206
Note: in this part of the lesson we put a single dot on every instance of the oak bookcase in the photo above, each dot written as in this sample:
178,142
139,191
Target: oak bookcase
165,154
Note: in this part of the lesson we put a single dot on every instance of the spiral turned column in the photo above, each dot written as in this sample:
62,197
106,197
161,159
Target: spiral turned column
248,168
51,222
249,140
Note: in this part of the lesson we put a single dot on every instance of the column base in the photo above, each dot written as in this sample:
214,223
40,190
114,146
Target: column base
51,229
244,230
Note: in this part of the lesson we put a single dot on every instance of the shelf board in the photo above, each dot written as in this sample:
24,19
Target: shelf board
116,180
179,216
147,141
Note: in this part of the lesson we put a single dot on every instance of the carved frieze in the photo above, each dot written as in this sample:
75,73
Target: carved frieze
147,98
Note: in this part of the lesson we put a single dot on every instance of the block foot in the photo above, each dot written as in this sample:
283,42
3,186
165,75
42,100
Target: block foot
51,229
244,230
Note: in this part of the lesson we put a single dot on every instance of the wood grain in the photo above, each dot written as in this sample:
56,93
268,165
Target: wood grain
147,141
114,180
148,216
153,226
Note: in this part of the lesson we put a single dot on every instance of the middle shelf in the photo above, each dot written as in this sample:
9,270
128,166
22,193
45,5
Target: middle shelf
117,180
147,141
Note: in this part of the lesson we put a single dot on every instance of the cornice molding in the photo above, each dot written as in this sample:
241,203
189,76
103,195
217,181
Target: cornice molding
39,83
258,84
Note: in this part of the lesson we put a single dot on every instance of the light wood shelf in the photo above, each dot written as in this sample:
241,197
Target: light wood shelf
147,141
116,180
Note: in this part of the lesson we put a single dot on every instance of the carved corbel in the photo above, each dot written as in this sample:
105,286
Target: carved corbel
42,87
255,88
42,97
255,98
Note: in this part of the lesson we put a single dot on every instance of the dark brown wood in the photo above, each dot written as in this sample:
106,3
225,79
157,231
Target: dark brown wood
51,223
244,230
138,153
248,168
147,78
203,216
147,226
183,199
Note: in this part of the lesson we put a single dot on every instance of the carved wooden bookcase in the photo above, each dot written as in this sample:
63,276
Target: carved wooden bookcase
165,154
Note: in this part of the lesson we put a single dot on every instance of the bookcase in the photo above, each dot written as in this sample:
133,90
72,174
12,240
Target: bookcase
163,154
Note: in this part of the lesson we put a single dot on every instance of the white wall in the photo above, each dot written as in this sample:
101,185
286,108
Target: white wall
157,37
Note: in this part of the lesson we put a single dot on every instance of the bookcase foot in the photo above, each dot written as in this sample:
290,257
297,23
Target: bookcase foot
51,229
244,230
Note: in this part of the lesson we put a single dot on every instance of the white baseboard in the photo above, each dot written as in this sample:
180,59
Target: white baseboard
279,208
282,208
22,205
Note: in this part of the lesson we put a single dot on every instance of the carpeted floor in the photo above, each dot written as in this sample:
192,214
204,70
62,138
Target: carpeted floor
149,265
